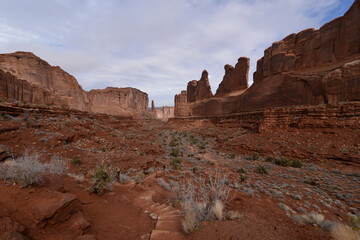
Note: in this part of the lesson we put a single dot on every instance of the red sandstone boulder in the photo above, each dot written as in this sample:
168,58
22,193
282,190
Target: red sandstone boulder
199,90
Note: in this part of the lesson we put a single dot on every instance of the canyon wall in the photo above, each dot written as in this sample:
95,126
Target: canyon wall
308,68
165,113
26,77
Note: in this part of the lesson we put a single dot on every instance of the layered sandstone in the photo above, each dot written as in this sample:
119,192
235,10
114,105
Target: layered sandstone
181,105
25,77
199,90
119,101
235,78
308,68
27,66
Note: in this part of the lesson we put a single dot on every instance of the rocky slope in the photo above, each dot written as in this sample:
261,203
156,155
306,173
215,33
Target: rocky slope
25,77
308,68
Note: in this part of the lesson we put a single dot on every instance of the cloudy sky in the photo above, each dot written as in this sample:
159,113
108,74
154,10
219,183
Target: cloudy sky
156,46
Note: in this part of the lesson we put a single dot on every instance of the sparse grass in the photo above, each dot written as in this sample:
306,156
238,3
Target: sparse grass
343,232
218,209
201,200
28,170
163,184
262,169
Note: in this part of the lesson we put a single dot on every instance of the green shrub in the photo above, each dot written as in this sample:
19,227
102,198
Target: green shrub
176,162
287,162
243,177
255,156
232,155
175,152
77,161
211,163
173,143
100,177
139,178
241,170
355,222
202,146
262,169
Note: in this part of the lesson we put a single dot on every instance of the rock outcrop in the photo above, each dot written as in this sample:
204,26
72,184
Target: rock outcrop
181,105
165,113
119,101
235,78
27,66
308,68
25,77
199,90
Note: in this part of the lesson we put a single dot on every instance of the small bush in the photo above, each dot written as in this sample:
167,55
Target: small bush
202,146
243,177
287,162
269,159
241,170
100,177
124,178
262,169
232,155
139,178
176,162
255,156
76,161
314,218
163,184
211,163
188,221
173,143
175,152
354,222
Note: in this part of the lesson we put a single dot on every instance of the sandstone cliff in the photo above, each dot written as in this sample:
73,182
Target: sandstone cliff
165,113
119,101
308,68
26,77
199,90
27,66
235,78
181,105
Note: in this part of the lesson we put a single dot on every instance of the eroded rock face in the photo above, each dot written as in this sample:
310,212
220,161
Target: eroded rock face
25,77
331,44
308,68
181,105
27,66
119,101
235,78
165,113
199,90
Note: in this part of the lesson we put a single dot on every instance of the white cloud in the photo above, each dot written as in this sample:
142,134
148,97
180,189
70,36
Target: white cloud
156,46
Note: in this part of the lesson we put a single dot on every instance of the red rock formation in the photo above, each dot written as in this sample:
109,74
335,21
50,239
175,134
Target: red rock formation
26,77
181,105
165,113
13,88
309,68
235,78
27,66
152,106
119,101
199,90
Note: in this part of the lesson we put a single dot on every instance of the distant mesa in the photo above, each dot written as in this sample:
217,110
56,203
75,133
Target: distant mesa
308,68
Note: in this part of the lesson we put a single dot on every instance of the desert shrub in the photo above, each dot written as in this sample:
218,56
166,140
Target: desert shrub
262,169
139,177
163,184
243,177
175,152
76,161
211,163
269,159
241,170
255,156
100,177
202,146
123,177
176,163
287,162
201,200
28,170
354,222
173,143
232,155
313,218
343,232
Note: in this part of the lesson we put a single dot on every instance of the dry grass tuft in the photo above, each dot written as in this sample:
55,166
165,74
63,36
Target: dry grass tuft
218,209
343,232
